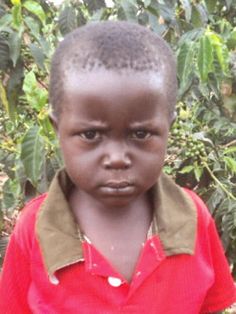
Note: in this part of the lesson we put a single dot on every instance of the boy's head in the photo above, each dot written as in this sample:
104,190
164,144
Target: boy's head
113,91
122,47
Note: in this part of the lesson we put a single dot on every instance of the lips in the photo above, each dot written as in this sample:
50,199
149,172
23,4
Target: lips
118,184
121,188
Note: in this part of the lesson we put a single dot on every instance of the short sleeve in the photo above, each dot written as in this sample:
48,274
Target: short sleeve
15,277
223,292
14,280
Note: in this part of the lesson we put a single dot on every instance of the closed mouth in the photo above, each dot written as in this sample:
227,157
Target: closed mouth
118,188
117,184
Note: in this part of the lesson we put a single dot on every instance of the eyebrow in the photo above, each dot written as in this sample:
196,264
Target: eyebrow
88,123
145,123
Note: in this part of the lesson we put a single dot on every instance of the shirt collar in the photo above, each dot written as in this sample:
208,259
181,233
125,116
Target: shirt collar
60,239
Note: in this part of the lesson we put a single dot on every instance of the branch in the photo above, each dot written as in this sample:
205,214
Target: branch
218,182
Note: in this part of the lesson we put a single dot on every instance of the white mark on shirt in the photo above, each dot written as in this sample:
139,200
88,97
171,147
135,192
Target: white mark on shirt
114,282
54,280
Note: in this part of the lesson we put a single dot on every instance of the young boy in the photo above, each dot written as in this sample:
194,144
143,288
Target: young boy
114,234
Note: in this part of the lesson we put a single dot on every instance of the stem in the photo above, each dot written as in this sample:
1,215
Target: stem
230,143
218,182
37,79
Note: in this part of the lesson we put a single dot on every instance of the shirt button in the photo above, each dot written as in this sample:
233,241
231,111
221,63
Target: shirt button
53,279
114,282
138,274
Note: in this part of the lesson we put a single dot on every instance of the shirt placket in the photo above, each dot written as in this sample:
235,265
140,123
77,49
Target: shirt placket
151,257
96,264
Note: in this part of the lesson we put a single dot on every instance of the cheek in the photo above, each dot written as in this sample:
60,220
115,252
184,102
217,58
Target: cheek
77,159
69,152
150,165
152,160
155,149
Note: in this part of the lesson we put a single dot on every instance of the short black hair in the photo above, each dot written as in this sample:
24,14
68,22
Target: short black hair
112,45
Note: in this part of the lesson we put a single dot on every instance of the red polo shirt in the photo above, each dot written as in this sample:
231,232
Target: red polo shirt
51,268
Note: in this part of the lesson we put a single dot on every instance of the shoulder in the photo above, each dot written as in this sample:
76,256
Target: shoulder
207,234
203,213
24,229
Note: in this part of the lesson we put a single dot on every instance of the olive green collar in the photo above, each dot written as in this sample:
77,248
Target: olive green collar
60,239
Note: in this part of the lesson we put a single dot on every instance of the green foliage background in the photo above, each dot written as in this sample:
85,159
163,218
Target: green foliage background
202,145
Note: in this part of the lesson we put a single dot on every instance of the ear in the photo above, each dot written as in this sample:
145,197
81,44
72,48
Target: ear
54,121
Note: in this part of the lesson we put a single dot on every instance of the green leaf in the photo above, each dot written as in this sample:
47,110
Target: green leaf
203,13
230,163
199,15
196,17
222,57
231,42
32,153
11,193
201,136
168,170
33,25
170,3
192,35
133,2
35,94
94,5
3,99
16,16
211,5
14,87
187,169
153,21
198,172
81,20
220,51
97,15
36,9
14,45
228,3
187,9
30,82
147,3
5,20
230,150
38,55
205,58
167,13
67,20
2,11
4,54
216,197
16,2
185,61
154,9
130,10
45,45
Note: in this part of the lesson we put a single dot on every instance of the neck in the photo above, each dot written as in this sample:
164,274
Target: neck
87,209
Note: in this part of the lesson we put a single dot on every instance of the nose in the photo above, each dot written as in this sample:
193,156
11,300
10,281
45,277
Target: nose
117,158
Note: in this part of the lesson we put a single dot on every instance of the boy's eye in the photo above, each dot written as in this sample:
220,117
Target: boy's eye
141,134
90,135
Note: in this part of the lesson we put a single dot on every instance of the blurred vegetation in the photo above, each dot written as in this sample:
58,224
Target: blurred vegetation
202,145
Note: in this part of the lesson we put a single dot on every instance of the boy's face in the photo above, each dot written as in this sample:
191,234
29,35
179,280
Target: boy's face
113,133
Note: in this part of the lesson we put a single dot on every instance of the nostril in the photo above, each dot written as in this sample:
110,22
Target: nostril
117,162
127,163
106,164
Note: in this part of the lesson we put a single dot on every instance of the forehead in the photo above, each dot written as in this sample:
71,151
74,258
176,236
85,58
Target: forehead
76,81
113,89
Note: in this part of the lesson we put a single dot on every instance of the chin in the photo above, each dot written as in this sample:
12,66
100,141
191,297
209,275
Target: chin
117,201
